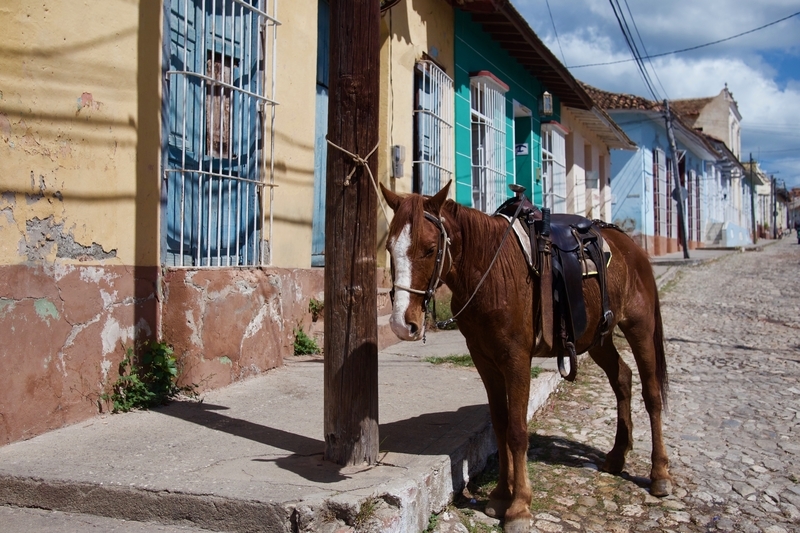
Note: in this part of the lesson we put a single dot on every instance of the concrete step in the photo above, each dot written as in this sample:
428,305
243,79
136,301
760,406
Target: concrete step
384,301
386,336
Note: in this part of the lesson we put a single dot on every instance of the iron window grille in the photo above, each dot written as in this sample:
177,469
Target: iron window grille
218,171
433,128
554,168
488,115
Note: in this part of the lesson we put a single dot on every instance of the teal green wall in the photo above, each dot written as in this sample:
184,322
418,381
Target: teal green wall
475,51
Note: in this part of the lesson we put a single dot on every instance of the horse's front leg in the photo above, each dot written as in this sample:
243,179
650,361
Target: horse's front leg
494,383
518,384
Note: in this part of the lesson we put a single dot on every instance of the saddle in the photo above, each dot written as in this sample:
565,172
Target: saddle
564,249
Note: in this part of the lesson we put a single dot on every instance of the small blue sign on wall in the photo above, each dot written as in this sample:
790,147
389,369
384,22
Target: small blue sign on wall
521,149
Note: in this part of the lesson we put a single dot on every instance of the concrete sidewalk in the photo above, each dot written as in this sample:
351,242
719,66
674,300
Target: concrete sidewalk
248,458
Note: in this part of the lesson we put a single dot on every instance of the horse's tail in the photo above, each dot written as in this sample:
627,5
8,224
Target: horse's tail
661,358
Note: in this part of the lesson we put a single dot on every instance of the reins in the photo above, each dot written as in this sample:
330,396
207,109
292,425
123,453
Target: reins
445,323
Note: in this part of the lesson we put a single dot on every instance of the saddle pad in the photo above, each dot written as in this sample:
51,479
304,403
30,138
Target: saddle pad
588,266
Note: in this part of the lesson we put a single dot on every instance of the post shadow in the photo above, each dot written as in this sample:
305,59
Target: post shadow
426,434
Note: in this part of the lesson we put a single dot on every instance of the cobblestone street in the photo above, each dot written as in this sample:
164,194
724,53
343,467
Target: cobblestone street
733,430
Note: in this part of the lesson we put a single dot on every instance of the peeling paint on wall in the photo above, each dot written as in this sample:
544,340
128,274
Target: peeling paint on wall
87,100
42,235
114,333
96,275
46,310
6,306
256,323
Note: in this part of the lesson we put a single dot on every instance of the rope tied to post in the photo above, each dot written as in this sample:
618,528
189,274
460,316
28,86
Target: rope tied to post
361,161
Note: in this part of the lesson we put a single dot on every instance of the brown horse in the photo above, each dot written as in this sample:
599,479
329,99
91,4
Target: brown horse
498,324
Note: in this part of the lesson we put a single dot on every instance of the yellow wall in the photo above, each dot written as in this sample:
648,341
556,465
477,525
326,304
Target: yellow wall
408,31
294,138
79,84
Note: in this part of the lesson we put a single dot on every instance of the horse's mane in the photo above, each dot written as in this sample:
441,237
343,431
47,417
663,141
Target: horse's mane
480,233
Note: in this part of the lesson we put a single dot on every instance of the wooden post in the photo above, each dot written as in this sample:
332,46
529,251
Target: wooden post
351,326
677,193
753,201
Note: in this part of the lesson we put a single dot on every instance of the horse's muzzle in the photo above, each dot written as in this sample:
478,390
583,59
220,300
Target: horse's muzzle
407,331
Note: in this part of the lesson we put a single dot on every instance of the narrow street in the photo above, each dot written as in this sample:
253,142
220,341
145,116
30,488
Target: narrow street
732,329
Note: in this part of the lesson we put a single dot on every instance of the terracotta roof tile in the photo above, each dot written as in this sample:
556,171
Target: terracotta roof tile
689,109
608,100
690,106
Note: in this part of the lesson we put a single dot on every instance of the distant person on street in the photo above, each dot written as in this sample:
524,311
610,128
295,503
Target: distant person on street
797,228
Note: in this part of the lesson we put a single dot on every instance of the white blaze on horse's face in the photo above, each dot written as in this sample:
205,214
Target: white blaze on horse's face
399,248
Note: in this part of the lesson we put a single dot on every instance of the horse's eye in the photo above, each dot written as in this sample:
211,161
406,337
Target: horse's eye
430,251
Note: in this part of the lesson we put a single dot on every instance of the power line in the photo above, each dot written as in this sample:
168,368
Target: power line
626,33
655,73
691,47
796,149
553,22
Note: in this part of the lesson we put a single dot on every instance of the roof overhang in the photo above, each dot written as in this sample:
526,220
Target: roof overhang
683,134
500,20
603,126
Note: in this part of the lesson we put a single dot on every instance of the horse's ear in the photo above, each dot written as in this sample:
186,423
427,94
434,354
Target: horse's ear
437,201
391,198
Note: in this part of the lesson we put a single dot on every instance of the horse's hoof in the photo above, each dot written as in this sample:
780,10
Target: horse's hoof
613,467
496,508
521,525
661,488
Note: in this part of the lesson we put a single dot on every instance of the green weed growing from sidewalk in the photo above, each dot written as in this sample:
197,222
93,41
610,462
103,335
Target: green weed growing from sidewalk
147,378
303,344
464,360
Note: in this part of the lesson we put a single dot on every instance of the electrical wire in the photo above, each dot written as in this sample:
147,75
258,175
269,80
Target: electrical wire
553,22
691,47
646,56
637,56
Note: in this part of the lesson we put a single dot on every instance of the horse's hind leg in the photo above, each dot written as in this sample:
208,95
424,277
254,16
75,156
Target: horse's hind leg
644,351
619,376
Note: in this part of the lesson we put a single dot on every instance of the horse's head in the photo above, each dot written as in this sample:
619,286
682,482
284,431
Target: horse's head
417,243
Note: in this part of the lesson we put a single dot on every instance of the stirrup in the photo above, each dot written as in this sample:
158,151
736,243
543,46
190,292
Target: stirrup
573,363
608,318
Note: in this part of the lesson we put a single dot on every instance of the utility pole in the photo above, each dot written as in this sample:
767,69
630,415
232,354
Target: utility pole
774,206
753,201
678,193
351,301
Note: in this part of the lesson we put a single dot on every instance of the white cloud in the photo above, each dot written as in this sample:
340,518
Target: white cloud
768,98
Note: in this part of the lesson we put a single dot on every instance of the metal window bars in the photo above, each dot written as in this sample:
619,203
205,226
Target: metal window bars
433,154
554,169
660,192
221,121
488,146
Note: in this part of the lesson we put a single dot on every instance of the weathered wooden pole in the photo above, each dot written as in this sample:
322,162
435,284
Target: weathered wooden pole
753,201
351,327
677,193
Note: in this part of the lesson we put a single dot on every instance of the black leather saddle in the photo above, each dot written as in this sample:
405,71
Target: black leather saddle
560,245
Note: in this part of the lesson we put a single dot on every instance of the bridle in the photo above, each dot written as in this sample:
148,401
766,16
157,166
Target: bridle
436,278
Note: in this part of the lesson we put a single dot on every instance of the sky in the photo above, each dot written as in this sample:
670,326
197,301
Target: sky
761,69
